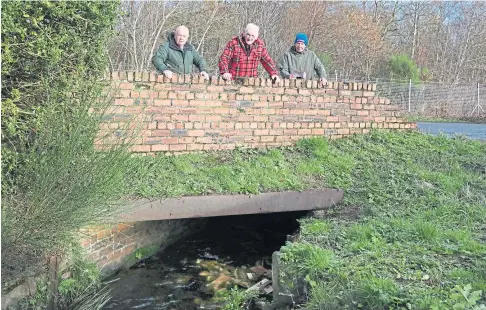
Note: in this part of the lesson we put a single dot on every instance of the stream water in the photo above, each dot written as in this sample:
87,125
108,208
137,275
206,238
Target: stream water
232,250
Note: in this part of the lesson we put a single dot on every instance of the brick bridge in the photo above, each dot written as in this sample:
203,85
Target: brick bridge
188,114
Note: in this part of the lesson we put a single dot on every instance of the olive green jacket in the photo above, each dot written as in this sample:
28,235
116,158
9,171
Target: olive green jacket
297,63
171,57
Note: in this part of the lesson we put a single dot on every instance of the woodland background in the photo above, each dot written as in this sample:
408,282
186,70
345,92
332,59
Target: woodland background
440,41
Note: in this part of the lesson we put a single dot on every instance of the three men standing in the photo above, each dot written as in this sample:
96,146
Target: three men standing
242,54
240,57
177,55
300,62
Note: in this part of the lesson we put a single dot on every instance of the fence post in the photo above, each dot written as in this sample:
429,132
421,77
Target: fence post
478,100
478,105
409,93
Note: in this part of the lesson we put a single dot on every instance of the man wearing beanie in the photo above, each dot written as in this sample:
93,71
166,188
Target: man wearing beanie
300,62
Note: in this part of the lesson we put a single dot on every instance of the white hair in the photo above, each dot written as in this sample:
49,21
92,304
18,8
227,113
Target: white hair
252,26
182,27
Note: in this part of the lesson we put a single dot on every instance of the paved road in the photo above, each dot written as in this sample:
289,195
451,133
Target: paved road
473,131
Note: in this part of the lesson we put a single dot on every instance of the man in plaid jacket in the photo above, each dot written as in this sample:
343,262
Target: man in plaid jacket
241,56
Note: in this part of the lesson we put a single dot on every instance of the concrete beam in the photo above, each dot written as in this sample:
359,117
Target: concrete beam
221,205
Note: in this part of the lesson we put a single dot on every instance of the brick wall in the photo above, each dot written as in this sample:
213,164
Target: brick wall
114,246
187,113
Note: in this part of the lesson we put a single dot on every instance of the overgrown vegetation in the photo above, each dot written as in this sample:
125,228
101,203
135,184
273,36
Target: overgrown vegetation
410,234
54,180
401,67
80,286
235,299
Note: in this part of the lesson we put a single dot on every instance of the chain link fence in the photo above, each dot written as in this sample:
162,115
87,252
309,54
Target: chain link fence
430,99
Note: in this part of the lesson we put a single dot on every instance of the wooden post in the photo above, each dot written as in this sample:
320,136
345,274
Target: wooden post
53,282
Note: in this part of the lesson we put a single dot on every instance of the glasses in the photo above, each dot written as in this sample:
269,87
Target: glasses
250,35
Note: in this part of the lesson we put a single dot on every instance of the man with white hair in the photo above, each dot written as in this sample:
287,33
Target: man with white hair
242,54
177,55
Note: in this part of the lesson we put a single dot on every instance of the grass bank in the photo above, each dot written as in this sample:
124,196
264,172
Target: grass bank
472,119
410,233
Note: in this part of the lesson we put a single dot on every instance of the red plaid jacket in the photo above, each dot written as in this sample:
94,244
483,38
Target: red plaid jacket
235,60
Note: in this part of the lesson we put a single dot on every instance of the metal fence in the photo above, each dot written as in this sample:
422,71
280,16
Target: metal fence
431,99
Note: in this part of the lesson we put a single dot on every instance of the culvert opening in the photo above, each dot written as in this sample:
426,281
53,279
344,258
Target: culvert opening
230,251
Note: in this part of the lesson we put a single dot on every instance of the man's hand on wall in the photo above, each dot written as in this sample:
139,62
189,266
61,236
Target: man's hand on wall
275,78
322,82
167,73
227,76
205,74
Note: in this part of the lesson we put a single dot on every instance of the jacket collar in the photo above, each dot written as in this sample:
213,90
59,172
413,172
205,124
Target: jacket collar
293,51
173,45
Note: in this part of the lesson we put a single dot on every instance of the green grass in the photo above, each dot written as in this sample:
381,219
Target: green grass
471,119
418,240
245,171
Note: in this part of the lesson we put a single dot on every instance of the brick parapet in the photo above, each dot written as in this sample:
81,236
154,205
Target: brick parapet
188,113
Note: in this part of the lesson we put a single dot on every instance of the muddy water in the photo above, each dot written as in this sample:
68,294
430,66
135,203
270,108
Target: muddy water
233,250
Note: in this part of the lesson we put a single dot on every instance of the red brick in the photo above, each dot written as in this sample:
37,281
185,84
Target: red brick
177,147
159,102
379,119
160,147
368,94
267,138
195,147
246,90
196,133
211,146
140,148
171,140
213,118
262,132
180,117
126,86
160,133
180,103
204,140
216,89
144,94
123,102
305,131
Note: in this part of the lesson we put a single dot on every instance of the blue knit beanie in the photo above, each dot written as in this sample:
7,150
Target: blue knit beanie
302,37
